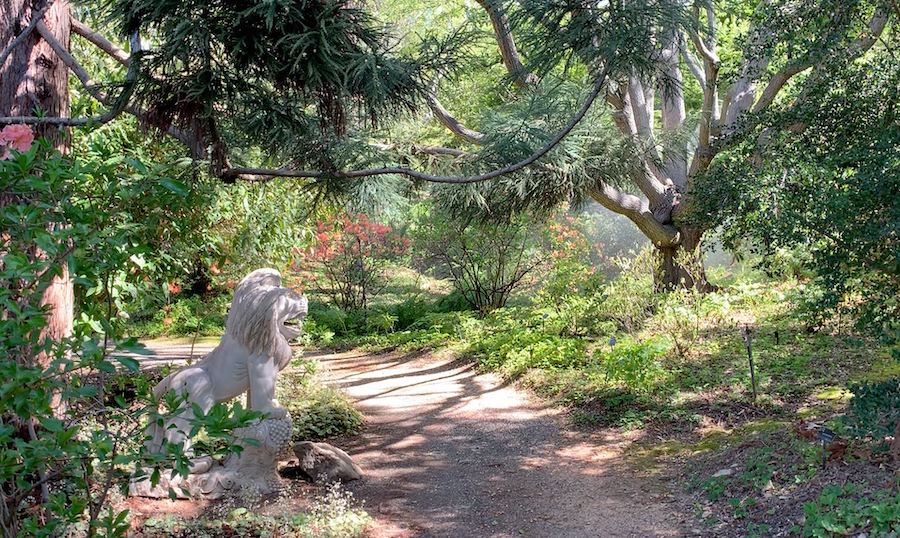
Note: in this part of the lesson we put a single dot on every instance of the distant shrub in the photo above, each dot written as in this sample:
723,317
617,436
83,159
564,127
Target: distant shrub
454,301
380,322
350,259
629,299
410,311
685,312
185,316
486,261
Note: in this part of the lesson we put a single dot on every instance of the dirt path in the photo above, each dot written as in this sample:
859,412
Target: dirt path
448,453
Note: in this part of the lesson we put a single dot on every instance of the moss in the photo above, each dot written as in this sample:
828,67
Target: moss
647,457
834,394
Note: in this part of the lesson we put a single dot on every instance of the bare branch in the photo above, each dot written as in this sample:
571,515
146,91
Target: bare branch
117,106
643,114
855,49
707,51
66,57
36,18
450,122
509,54
777,83
638,211
673,109
644,174
100,41
692,62
622,115
703,154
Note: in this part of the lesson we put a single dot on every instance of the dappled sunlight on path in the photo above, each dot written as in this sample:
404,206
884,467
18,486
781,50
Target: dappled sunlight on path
450,452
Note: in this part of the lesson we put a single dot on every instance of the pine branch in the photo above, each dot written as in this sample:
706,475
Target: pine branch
265,174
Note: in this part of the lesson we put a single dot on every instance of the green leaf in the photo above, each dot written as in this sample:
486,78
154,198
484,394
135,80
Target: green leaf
174,186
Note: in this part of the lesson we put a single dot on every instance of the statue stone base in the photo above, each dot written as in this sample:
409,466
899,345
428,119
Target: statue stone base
253,470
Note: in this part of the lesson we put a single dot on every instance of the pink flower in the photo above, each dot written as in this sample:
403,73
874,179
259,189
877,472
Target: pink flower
18,137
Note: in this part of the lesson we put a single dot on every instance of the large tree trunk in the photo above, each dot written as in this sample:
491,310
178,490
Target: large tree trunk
33,78
681,265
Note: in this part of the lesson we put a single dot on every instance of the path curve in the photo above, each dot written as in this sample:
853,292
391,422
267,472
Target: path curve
448,452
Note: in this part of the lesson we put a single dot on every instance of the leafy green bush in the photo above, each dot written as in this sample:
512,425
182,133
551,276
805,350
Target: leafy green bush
186,316
512,340
330,318
411,311
629,299
637,365
318,411
685,312
381,322
65,436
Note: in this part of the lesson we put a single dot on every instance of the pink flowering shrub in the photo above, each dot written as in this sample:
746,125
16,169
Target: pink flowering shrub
18,137
350,258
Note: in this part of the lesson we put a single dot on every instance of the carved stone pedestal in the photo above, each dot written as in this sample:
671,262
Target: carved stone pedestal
253,470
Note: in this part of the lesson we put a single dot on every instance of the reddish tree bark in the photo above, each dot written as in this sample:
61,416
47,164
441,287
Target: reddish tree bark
33,78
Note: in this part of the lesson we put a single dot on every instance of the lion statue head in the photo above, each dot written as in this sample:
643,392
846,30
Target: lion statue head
265,316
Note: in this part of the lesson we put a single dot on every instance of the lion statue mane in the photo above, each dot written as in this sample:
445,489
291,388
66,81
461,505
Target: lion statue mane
263,319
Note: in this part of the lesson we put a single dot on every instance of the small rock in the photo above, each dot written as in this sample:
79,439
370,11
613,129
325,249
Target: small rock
723,472
323,463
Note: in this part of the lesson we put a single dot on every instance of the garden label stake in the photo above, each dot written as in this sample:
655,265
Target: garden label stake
746,332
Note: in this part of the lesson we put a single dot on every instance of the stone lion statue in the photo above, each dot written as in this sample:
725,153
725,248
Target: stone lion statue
263,319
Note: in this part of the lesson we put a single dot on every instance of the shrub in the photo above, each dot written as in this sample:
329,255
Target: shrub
685,312
629,299
318,411
332,319
185,316
569,269
350,258
635,364
65,438
486,261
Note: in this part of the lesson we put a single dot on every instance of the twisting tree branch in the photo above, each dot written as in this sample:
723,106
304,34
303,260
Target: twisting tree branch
263,174
448,120
509,54
638,211
101,42
117,105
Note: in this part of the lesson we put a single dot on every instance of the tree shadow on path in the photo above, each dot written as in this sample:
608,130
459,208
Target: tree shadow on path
450,452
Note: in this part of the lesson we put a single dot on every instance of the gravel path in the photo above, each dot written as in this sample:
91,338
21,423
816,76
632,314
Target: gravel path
451,453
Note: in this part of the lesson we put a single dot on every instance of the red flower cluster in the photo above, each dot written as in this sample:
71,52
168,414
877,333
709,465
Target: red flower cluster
350,257
356,235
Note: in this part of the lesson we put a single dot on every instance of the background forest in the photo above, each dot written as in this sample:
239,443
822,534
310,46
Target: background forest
610,204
